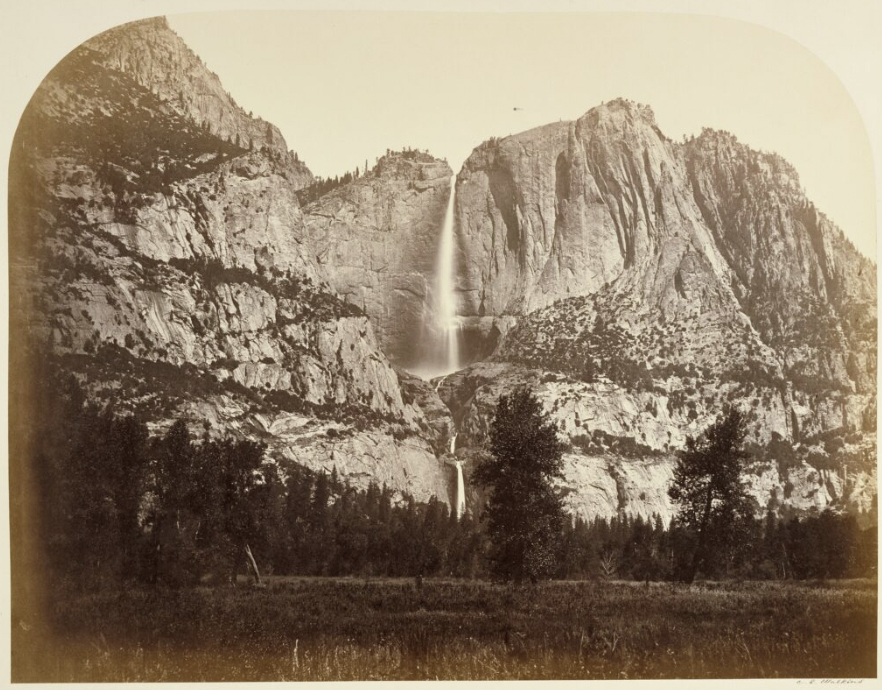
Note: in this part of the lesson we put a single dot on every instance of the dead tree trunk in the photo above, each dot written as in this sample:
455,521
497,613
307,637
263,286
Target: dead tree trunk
252,564
608,565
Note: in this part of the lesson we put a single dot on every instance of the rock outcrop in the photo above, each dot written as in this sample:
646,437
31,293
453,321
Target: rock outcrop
157,59
376,241
622,441
563,210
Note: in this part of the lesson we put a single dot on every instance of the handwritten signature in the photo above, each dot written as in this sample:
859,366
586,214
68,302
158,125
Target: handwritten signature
830,681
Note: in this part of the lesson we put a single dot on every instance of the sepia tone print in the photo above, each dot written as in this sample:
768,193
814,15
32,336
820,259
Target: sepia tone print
592,403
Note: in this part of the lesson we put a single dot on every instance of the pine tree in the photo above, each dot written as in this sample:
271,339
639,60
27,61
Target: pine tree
712,502
524,514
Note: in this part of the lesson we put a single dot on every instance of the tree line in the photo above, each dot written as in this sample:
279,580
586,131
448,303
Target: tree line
821,546
177,509
714,532
323,185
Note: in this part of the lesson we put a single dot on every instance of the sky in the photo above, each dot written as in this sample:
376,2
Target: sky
345,86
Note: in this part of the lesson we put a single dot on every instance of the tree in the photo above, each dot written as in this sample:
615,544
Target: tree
609,565
172,521
245,490
712,502
524,514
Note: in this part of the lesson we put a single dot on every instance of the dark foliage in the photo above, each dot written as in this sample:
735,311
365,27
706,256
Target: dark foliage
176,511
322,186
391,161
307,299
524,513
708,489
820,546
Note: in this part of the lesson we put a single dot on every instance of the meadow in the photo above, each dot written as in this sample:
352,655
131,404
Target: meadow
384,629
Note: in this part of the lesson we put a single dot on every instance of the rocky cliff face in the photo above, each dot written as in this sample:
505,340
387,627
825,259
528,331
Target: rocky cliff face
562,210
157,59
622,441
172,269
651,283
376,240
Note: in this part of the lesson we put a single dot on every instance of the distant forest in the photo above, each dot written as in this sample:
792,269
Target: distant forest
177,509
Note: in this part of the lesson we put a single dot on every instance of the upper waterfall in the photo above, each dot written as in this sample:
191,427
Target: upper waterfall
446,299
441,327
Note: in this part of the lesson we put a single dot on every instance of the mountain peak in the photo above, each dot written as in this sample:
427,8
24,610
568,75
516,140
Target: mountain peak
157,58
620,109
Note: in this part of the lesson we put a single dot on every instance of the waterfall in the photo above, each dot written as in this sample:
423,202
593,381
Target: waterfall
440,382
445,299
440,334
460,491
460,483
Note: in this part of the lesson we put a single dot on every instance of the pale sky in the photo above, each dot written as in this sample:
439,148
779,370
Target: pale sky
345,86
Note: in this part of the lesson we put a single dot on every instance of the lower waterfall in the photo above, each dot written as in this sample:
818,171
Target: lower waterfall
460,482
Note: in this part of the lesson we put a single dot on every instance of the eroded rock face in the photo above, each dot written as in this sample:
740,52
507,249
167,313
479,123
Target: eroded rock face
560,210
376,242
644,285
183,281
157,59
622,443
707,231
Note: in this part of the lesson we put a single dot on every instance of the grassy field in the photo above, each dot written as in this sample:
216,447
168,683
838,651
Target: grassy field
347,629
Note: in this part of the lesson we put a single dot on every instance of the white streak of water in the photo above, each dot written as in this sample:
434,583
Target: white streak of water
441,326
460,491
459,507
460,483
445,296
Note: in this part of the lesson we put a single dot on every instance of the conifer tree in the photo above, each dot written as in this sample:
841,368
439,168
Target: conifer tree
707,488
524,513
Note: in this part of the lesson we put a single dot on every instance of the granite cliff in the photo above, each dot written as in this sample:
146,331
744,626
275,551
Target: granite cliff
156,58
642,284
376,240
